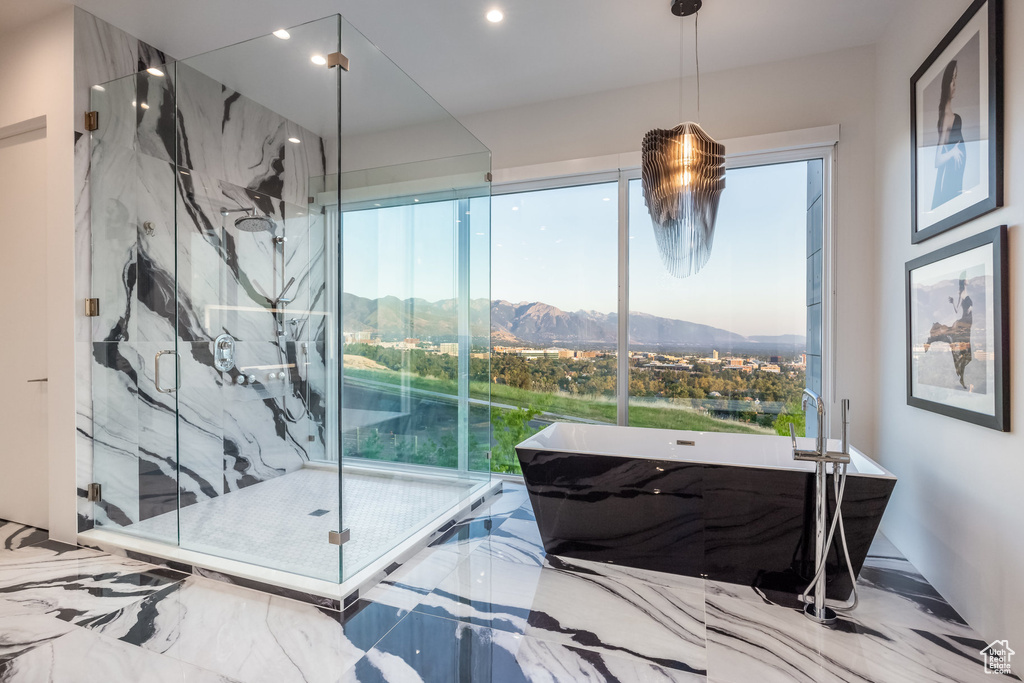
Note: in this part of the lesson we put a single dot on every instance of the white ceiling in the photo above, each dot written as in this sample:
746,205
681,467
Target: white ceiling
544,50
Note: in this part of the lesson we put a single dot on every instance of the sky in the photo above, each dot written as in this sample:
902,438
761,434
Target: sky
560,247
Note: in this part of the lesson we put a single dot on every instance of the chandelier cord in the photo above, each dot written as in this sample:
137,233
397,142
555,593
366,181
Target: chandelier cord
681,27
696,58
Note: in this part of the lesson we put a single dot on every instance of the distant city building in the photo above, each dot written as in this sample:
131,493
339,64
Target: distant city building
669,366
539,353
714,354
449,348
771,367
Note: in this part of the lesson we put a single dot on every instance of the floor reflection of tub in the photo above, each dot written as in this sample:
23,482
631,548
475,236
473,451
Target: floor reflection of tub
729,507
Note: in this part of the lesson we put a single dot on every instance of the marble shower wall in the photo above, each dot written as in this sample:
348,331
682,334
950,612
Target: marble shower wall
195,147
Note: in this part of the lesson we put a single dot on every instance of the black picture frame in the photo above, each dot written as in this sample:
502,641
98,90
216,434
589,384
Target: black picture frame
958,208
995,313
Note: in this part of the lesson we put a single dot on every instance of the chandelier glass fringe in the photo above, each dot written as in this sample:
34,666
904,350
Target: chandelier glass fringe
683,177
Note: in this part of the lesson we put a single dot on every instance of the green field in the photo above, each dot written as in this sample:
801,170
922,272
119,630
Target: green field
552,407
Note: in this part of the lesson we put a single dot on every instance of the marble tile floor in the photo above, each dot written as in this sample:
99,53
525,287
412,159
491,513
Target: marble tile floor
483,603
284,522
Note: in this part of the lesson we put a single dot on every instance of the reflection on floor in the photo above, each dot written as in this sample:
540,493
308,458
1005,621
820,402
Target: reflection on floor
283,523
483,603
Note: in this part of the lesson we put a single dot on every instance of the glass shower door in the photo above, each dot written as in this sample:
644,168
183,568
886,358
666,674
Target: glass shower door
212,368
131,332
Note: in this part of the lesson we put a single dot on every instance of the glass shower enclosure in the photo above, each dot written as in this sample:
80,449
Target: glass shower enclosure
290,253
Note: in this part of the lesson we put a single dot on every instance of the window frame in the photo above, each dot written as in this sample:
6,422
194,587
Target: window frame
826,152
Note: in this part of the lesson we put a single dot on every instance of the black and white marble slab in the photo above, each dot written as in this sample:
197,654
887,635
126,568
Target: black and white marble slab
75,585
665,625
14,535
82,656
414,580
21,633
513,498
434,650
513,540
750,640
251,636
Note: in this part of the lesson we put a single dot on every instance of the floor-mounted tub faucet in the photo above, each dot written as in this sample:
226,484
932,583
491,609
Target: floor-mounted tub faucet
817,610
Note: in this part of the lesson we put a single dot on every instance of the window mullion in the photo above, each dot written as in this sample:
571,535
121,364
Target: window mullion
622,358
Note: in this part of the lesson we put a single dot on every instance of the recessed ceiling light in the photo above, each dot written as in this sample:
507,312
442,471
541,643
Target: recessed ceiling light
319,60
415,200
295,140
607,199
282,34
153,71
98,88
144,105
133,103
494,16
515,208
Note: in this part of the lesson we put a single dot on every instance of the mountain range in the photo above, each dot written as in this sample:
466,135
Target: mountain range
540,324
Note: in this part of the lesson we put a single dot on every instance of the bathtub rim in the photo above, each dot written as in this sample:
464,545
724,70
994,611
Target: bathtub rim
532,444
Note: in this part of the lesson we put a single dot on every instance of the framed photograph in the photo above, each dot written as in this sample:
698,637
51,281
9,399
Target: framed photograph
958,331
956,103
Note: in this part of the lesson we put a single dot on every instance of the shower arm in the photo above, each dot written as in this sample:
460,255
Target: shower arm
224,211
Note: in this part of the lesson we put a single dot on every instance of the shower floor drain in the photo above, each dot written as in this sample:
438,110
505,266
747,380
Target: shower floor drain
318,513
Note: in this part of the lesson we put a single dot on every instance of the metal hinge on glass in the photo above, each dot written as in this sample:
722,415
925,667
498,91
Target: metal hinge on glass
94,493
337,59
92,120
92,308
339,537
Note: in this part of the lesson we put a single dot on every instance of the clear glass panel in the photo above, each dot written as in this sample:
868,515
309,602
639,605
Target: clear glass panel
227,243
555,326
728,349
256,138
414,288
132,272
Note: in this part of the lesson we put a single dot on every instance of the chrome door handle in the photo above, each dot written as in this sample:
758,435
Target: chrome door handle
156,372
44,379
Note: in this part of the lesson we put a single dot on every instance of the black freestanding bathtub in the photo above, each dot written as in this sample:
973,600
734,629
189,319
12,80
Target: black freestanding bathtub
727,507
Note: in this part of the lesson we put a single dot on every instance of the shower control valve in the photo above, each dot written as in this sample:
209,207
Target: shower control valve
224,352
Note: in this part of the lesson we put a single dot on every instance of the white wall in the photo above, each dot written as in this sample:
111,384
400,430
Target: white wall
959,505
834,88
36,64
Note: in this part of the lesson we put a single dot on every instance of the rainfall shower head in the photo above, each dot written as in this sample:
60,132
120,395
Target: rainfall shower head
255,224
250,223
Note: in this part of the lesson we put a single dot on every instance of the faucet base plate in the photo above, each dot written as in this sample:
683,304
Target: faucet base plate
826,617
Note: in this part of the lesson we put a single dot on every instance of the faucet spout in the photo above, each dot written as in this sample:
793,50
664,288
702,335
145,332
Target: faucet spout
820,407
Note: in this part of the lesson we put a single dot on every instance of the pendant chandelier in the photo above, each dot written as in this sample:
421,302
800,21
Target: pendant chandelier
683,175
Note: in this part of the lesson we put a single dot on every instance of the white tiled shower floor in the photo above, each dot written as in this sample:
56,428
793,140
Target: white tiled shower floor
272,524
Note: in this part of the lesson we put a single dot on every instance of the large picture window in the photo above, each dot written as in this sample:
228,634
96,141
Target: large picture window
730,348
726,349
554,336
